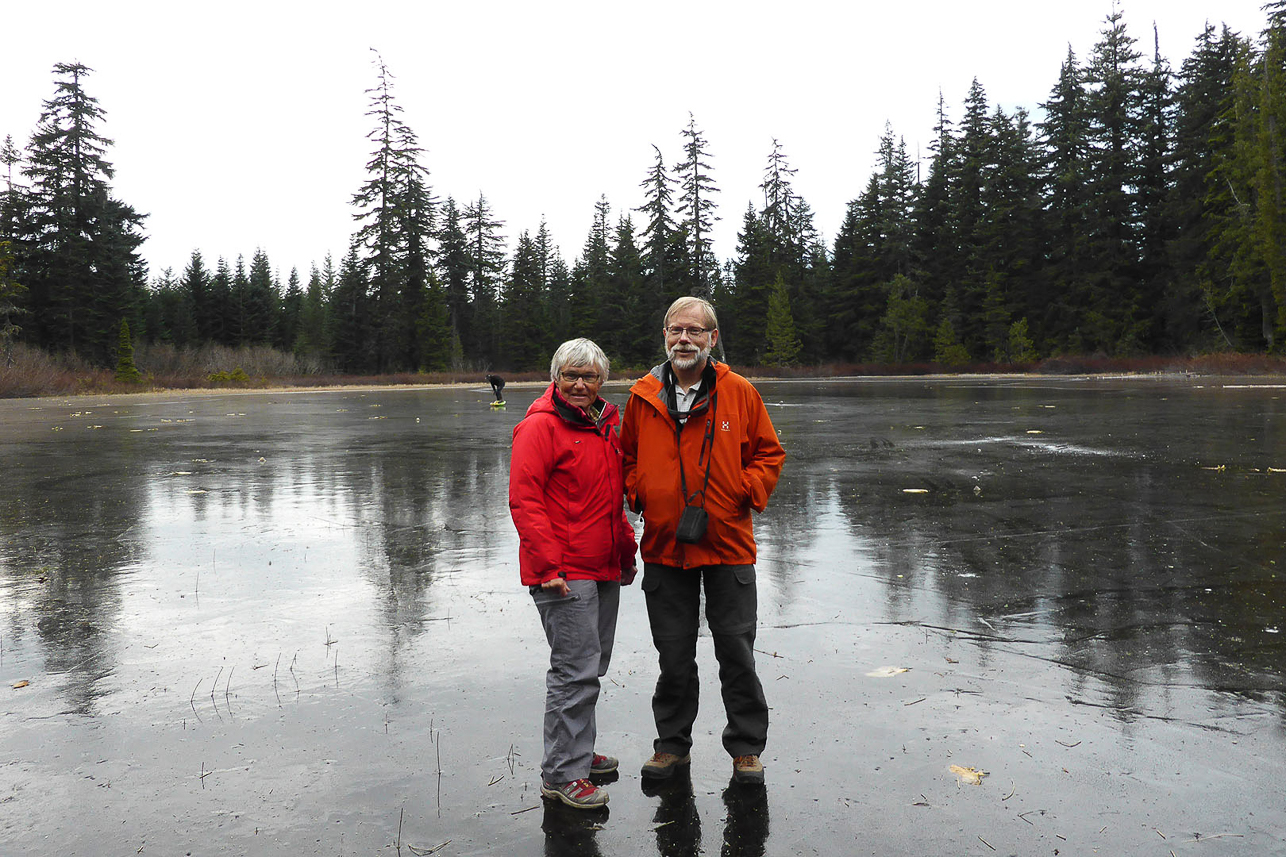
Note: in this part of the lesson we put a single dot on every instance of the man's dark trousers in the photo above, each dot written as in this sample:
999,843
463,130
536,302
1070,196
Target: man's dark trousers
673,607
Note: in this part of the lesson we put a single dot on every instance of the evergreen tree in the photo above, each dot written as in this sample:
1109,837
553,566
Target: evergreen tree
904,329
170,316
1113,319
350,318
310,338
1155,212
11,292
555,289
1237,280
437,348
1203,132
874,245
522,342
453,276
971,216
1269,229
783,344
935,241
292,305
663,243
591,302
696,211
633,336
1065,133
1010,248
486,265
196,284
79,247
125,369
262,304
221,309
13,198
395,209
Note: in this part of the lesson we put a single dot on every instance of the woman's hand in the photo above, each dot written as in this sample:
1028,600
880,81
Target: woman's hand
557,585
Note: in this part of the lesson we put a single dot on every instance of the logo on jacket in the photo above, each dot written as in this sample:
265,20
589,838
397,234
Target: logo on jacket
725,426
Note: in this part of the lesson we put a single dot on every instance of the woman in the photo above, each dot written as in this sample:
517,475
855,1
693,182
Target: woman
576,550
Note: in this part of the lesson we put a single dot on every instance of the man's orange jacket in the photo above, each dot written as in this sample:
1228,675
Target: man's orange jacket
745,461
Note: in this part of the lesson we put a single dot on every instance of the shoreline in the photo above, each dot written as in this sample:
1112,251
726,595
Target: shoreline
1257,380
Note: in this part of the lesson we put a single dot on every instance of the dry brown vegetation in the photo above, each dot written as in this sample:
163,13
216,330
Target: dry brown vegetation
38,373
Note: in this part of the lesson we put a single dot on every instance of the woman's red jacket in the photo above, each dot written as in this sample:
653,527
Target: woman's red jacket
566,493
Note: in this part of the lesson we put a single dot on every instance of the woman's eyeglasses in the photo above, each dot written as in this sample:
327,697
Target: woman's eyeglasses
573,377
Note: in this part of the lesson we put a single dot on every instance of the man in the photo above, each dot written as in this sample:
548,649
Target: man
698,444
498,387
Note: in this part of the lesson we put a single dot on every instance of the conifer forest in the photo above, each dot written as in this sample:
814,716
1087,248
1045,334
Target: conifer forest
1140,209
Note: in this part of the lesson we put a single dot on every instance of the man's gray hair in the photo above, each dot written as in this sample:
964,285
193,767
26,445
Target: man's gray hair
692,302
578,352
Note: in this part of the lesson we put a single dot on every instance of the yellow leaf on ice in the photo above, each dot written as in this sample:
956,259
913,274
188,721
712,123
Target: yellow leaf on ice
886,672
915,490
18,684
969,776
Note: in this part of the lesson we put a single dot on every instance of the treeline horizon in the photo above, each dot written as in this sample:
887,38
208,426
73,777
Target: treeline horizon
1143,214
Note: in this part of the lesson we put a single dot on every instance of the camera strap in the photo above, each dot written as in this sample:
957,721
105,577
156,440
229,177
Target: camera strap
707,441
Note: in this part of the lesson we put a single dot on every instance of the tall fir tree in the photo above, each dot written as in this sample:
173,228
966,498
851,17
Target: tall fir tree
1065,134
522,335
395,208
662,242
453,277
1203,132
78,251
486,265
1114,321
697,211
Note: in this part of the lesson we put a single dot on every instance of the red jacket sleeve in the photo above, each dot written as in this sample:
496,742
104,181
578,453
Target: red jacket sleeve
530,465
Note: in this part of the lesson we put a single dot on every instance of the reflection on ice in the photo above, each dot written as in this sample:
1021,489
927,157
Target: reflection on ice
279,609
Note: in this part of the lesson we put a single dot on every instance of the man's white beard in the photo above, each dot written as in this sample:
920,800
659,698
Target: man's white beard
683,361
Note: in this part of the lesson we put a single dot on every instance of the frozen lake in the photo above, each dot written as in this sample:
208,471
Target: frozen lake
291,623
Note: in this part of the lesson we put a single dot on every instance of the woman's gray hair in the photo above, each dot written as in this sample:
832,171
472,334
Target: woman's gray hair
578,352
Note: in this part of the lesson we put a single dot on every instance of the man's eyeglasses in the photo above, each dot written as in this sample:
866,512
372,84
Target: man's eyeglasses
692,332
573,377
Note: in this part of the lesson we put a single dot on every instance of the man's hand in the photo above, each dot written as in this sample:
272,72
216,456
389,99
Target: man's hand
557,585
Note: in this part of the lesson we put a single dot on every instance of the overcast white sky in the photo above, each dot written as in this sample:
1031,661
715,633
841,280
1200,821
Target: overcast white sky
241,125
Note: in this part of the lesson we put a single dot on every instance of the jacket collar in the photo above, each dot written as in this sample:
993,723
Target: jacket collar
599,414
705,395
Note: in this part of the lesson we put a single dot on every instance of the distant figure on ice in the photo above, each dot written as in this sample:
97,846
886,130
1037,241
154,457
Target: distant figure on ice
498,385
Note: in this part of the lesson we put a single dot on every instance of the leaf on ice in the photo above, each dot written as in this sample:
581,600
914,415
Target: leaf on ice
915,490
886,672
968,776
18,684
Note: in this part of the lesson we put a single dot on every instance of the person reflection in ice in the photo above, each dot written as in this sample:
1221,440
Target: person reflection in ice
571,832
746,829
677,821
